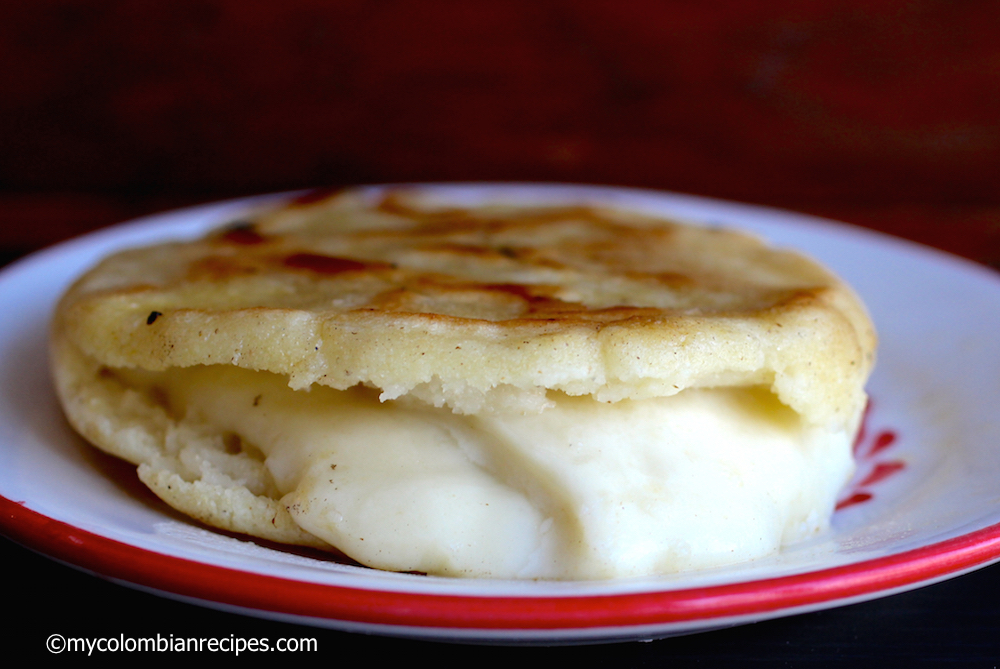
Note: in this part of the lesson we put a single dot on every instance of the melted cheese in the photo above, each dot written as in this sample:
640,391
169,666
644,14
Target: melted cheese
582,490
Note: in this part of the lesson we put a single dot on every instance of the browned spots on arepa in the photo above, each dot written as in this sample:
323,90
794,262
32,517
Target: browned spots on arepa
442,300
243,234
219,267
457,220
314,196
431,296
323,264
674,280
222,267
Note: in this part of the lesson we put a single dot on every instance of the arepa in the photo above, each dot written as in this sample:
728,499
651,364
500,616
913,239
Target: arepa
507,389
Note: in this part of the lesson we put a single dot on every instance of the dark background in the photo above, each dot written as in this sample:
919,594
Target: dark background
882,113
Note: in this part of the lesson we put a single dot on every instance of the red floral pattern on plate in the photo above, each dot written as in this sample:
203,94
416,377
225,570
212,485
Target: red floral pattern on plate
869,453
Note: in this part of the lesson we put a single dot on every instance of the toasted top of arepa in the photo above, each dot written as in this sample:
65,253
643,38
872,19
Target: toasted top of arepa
484,308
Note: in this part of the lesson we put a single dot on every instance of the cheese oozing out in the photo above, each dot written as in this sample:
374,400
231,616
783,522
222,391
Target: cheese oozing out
582,490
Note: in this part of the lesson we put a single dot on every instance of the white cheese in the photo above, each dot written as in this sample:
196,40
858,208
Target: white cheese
583,490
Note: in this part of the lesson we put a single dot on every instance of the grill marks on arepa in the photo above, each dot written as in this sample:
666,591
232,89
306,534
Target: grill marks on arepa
397,291
569,263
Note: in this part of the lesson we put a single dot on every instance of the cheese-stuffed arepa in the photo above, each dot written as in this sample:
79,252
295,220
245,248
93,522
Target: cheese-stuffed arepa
503,390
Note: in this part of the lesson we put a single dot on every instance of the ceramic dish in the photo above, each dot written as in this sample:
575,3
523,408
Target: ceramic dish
923,506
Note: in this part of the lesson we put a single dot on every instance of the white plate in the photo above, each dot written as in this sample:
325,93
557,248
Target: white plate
928,509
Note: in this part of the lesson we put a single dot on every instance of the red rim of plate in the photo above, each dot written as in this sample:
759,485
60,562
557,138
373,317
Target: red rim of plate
224,585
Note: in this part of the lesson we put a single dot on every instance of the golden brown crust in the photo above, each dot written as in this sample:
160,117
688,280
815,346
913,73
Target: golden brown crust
488,307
